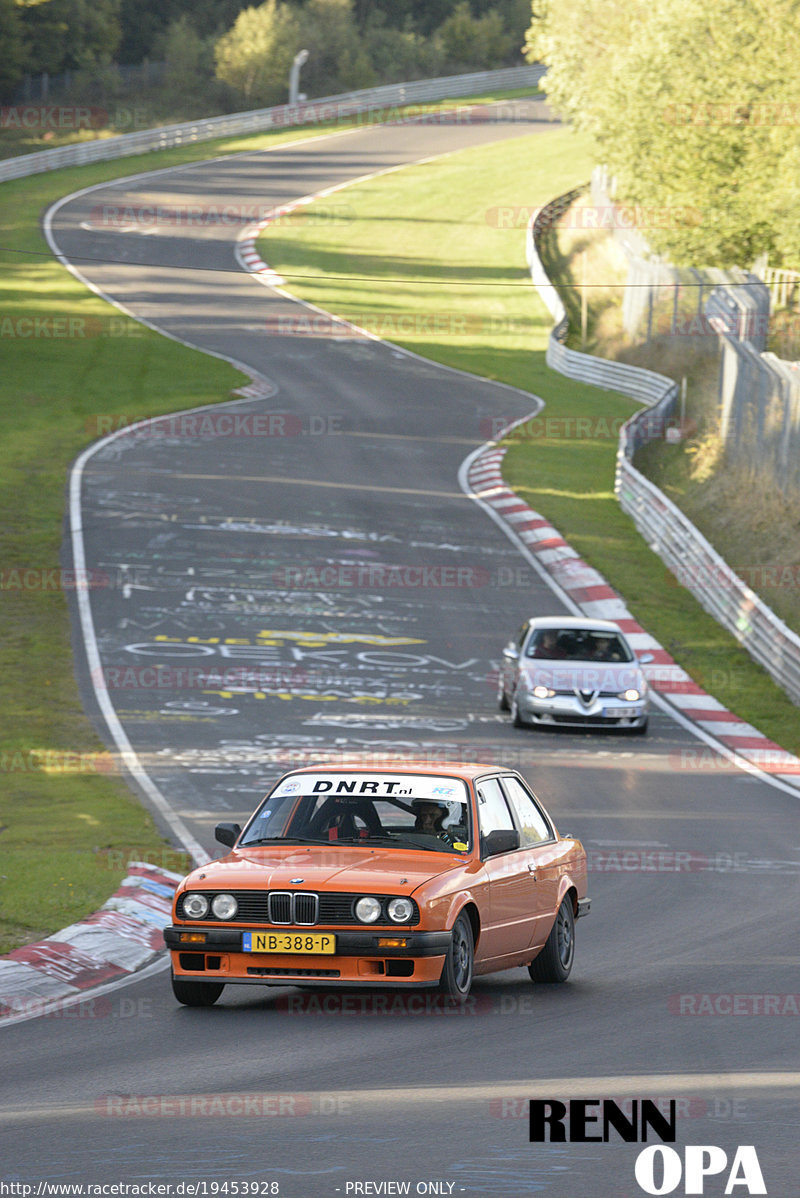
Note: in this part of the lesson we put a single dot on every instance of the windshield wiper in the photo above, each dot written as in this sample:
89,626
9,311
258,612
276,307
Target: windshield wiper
285,840
391,838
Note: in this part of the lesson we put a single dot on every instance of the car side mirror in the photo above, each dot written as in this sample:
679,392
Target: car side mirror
501,840
228,834
511,652
645,658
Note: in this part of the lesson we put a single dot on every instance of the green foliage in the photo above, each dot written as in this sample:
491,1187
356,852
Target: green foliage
255,56
144,22
692,106
13,58
188,58
70,34
337,59
474,43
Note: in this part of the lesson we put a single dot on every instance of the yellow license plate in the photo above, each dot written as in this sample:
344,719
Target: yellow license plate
288,942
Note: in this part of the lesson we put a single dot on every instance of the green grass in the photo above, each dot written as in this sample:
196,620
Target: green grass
439,256
67,824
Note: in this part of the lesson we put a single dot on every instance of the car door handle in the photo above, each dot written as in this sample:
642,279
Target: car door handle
532,870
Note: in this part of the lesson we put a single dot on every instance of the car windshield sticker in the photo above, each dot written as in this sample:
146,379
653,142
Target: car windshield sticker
385,786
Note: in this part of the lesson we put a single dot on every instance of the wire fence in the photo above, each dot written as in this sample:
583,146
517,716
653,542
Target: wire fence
662,300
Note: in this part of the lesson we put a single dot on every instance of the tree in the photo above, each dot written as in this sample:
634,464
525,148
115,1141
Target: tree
337,58
255,56
13,58
474,43
188,67
70,34
695,108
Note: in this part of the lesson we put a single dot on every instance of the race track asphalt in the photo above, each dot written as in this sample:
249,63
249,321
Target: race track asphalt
265,554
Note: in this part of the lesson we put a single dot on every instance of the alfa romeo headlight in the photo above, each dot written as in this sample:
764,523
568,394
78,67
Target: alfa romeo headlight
543,692
401,910
224,906
368,910
195,906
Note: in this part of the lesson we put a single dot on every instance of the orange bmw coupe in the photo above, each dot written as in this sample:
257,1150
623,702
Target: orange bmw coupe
403,876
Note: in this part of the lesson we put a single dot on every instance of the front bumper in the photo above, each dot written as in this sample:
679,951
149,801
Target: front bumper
569,710
358,960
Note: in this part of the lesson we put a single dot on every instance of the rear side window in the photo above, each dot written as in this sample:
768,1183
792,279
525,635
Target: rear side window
534,828
493,812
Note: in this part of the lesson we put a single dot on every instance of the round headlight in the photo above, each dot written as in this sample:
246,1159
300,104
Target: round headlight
195,906
400,910
368,910
224,906
631,695
542,692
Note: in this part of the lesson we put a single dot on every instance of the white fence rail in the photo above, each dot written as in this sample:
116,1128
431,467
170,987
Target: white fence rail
284,116
686,552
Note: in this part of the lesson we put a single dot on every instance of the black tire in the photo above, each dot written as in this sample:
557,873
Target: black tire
554,962
456,979
196,994
502,698
516,718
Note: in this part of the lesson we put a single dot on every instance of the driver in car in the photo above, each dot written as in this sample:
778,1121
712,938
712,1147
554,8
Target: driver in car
429,817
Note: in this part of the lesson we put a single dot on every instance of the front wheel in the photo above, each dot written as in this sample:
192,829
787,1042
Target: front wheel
554,962
196,994
456,978
502,697
516,715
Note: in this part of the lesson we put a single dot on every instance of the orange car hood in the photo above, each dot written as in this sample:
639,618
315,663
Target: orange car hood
336,869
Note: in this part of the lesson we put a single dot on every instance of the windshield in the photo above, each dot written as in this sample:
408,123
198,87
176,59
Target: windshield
577,644
428,813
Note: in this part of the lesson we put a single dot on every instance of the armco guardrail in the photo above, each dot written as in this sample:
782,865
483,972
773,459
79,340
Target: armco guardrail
686,552
283,116
644,385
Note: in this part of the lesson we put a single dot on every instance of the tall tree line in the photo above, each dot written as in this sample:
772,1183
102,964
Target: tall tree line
371,37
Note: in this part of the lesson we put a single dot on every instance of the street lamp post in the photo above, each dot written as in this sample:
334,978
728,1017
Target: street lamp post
294,75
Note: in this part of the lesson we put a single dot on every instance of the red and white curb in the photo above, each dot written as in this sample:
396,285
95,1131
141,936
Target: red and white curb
120,939
587,591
